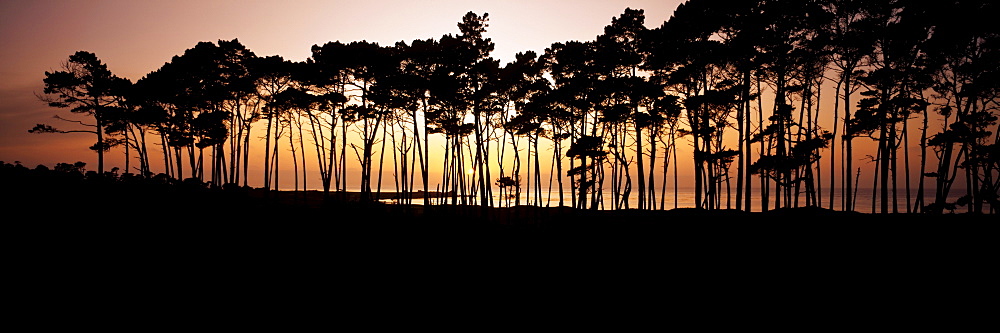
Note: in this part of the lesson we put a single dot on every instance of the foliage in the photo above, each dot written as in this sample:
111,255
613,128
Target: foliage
614,97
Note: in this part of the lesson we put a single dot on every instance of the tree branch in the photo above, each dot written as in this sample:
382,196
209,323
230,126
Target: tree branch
75,121
42,128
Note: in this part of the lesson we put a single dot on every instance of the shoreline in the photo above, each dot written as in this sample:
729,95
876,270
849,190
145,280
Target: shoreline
315,199
186,204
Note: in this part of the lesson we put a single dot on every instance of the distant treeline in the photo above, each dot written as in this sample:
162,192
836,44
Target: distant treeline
613,109
74,177
67,194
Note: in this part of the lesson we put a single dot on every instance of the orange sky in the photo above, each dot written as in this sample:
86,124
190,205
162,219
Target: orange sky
136,37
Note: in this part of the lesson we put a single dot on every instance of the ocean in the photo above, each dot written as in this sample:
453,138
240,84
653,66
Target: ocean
865,200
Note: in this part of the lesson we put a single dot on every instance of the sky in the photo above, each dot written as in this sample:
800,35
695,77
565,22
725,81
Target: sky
134,38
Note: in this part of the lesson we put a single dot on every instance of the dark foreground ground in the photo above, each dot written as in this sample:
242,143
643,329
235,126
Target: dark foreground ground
159,255
220,226
120,213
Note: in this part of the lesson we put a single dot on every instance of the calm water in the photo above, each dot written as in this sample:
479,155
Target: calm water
685,198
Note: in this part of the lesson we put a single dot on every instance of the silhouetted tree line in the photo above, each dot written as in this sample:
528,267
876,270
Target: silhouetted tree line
740,81
63,175
70,191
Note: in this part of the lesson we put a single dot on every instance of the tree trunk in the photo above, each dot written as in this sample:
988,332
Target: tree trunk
833,147
848,148
641,182
267,152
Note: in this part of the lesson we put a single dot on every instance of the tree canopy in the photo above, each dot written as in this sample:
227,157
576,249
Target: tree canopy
747,85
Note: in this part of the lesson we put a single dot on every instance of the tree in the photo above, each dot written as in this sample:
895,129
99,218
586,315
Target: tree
524,87
196,95
473,80
894,90
850,41
689,63
738,29
366,64
134,124
627,94
86,86
965,81
573,102
419,62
